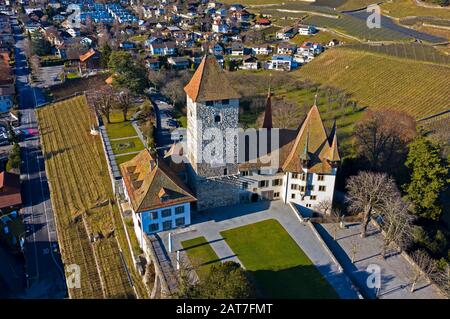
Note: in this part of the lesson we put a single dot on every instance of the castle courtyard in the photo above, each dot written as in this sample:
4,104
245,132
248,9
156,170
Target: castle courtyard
211,223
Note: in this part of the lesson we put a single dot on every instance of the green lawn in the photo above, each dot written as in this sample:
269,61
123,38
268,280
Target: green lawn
119,128
280,268
200,253
127,145
124,158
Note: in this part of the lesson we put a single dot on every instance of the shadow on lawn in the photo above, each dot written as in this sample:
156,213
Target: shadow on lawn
298,282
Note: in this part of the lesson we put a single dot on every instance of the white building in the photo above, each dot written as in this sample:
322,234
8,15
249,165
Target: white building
308,157
262,49
157,197
307,30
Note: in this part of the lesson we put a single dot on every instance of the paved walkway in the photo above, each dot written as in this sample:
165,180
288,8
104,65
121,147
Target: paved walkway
123,138
210,223
395,270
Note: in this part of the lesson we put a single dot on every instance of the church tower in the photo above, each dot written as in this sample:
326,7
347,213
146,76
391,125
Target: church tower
212,113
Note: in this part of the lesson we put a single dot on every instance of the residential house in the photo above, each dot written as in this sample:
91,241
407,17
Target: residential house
261,49
249,63
89,61
286,48
152,63
263,22
220,27
7,89
162,48
237,48
10,194
307,29
310,47
286,33
281,63
178,63
126,45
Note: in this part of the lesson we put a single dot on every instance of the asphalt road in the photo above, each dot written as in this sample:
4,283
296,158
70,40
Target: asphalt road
388,23
164,130
43,261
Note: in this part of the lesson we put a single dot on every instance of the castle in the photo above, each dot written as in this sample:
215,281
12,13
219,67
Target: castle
304,172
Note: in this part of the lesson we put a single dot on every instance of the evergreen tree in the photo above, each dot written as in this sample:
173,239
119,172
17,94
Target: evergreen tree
128,73
429,177
39,45
105,55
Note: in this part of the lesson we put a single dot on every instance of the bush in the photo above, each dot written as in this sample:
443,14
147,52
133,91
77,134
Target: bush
14,159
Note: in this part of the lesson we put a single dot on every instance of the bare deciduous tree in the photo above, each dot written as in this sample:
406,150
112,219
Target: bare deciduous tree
354,247
396,223
124,102
442,278
367,192
324,206
102,101
381,138
426,267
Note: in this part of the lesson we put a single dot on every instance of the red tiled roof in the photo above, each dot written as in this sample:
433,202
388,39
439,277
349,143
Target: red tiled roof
209,83
10,195
144,182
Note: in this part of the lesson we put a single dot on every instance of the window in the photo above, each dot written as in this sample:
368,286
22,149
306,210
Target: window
320,177
276,195
166,213
209,103
244,185
225,102
244,173
153,227
276,182
294,186
153,215
167,225
310,187
179,210
217,118
308,205
294,175
302,188
263,183
293,196
179,221
225,171
303,177
313,197
322,188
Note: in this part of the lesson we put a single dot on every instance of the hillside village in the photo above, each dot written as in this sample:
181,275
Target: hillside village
123,96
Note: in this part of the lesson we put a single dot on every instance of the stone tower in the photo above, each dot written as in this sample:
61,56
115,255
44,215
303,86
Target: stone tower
212,113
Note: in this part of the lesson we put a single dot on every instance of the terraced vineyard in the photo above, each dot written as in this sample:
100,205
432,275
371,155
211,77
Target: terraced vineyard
413,51
81,193
380,81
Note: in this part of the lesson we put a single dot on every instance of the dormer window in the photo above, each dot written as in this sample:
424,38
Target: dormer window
217,119
163,196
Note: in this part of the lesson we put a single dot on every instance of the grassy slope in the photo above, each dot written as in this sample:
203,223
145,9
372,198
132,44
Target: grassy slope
281,269
404,8
379,81
200,253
